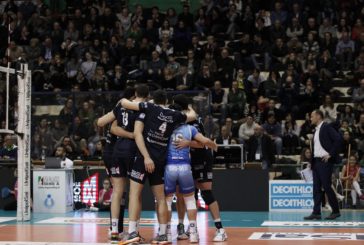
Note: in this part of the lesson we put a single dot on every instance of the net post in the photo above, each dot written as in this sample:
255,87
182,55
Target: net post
24,140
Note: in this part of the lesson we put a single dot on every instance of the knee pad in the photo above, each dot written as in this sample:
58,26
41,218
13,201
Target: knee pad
169,202
190,202
207,196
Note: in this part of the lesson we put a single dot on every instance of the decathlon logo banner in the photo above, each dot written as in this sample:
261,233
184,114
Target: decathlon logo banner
285,195
312,224
290,236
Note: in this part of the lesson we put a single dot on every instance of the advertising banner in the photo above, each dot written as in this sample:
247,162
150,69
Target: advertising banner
290,195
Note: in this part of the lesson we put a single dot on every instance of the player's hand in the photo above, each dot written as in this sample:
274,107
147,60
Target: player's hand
215,147
326,158
149,165
181,143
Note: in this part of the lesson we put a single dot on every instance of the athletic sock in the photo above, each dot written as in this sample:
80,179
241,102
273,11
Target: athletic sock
137,225
114,225
162,229
193,227
121,219
180,221
218,223
132,226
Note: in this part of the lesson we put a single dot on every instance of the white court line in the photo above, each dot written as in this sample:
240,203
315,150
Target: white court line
313,223
6,219
306,236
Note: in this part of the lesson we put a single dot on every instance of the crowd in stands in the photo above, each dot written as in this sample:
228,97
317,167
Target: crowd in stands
265,64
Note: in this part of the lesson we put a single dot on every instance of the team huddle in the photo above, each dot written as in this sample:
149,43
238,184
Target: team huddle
166,146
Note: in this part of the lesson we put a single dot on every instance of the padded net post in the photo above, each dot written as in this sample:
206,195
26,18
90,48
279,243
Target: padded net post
24,141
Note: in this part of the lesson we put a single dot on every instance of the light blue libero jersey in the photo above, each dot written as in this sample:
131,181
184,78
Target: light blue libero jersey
181,156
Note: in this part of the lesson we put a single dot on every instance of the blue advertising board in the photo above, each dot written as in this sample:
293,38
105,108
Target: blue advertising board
290,195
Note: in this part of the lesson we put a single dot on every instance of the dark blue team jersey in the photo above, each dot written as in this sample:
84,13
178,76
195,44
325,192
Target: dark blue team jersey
110,142
125,119
159,124
197,154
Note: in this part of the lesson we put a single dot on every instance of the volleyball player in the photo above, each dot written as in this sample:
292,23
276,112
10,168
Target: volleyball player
121,155
152,130
178,169
201,161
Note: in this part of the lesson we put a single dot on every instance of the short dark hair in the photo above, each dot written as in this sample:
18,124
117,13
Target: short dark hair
181,100
160,97
129,92
142,91
319,112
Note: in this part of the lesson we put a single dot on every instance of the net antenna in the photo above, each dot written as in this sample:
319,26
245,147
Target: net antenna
22,131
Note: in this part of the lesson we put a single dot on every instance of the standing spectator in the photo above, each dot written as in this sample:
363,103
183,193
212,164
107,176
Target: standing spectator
288,96
274,130
290,134
186,17
260,53
218,103
225,68
278,13
236,101
260,148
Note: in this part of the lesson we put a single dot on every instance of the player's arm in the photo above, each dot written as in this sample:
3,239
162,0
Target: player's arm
206,141
183,143
105,119
139,140
191,114
119,131
130,105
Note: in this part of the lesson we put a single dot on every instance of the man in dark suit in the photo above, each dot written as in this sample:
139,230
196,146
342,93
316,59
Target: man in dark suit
326,145
260,148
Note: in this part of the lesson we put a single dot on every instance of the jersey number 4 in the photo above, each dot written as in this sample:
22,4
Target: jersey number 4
163,127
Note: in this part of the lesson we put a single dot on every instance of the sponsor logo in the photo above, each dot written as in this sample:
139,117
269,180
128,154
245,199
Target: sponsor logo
48,181
87,190
290,195
141,115
312,223
115,170
49,201
136,175
290,236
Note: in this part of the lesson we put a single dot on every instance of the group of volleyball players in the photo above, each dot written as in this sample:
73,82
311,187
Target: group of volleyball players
150,141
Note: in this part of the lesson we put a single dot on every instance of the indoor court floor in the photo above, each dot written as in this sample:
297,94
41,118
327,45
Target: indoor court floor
91,228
